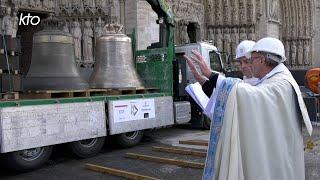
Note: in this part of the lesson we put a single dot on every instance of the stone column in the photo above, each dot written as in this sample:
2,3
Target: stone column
122,11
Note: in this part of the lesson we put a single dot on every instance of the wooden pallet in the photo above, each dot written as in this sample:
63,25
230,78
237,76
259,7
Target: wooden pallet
122,91
118,91
147,90
48,94
9,96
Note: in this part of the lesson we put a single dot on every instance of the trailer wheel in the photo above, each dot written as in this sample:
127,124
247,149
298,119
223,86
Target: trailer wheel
29,159
87,148
129,139
206,123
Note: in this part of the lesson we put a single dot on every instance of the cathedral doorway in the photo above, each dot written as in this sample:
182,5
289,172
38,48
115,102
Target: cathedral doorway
193,32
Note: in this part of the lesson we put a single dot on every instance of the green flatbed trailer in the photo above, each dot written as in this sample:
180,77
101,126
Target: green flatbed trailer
30,127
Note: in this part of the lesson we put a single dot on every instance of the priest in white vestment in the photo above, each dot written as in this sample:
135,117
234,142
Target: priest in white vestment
256,131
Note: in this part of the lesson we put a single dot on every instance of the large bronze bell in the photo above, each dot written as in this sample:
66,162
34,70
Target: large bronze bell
53,65
114,66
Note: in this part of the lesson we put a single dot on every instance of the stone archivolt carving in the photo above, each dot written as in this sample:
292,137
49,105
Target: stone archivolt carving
41,5
240,17
294,19
192,10
296,31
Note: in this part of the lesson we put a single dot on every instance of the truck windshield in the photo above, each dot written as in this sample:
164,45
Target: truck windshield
215,61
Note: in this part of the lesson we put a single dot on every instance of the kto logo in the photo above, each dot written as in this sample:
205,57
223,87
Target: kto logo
25,20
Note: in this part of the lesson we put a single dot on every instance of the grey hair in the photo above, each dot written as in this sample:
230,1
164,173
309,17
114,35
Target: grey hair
272,60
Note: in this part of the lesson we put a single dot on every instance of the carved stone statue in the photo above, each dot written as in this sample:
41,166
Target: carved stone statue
32,3
227,40
235,38
7,25
46,4
38,4
52,5
184,37
218,13
243,34
98,31
65,27
15,21
293,53
210,34
274,7
287,51
16,3
219,36
65,4
77,35
251,34
306,51
89,4
23,3
87,42
242,12
300,53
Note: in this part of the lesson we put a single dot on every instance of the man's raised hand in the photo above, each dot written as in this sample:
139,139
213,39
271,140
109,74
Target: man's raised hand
206,71
194,70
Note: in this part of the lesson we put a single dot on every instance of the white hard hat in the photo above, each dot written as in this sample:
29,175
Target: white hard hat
243,48
270,45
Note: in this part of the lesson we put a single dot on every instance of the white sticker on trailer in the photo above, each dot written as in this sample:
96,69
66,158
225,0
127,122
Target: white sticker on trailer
135,109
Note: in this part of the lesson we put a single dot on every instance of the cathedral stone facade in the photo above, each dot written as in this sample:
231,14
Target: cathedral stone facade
224,22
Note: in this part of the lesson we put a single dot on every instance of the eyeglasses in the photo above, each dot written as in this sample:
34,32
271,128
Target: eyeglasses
254,58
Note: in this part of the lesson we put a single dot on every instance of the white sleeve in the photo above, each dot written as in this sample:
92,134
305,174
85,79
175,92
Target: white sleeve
208,111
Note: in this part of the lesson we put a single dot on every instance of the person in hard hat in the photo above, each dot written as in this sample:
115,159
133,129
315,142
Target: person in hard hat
256,130
246,68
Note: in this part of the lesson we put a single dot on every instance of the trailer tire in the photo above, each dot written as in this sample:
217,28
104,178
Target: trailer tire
86,148
129,139
27,160
206,123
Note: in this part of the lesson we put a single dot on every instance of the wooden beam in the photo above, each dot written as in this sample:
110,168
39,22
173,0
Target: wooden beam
194,142
181,163
118,172
179,151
